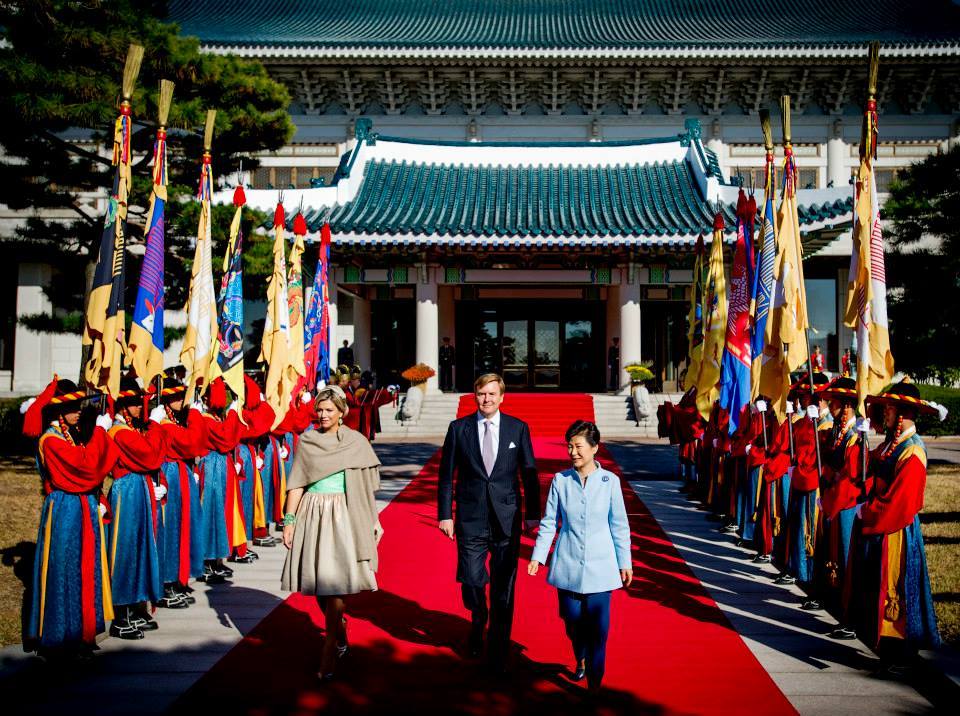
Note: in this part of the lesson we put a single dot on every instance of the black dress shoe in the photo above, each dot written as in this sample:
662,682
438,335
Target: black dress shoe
125,630
144,624
785,579
248,558
580,673
843,633
222,570
762,559
264,542
811,605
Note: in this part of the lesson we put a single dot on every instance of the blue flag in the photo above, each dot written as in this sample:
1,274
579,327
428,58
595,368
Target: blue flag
735,383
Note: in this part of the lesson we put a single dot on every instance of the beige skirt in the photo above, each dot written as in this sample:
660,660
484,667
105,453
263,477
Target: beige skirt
323,558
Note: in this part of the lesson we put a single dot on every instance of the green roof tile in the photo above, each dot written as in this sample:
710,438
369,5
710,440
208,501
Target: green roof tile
566,24
659,200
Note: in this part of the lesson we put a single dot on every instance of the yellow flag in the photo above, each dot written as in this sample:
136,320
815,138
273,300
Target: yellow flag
199,343
275,346
295,366
105,323
867,289
695,320
714,324
786,341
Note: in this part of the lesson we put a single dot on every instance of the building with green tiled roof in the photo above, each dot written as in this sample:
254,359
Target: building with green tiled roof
517,175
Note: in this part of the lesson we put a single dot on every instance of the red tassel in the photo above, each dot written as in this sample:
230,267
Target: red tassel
325,235
299,225
718,224
279,218
33,420
239,198
741,205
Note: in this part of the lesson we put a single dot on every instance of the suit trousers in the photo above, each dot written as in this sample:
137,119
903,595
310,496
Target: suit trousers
587,619
504,552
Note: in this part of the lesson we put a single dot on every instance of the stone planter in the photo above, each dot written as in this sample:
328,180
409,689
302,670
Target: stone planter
642,407
413,403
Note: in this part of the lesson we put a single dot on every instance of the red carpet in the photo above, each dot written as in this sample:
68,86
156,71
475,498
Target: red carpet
670,648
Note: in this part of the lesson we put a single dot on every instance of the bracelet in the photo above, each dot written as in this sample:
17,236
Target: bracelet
289,519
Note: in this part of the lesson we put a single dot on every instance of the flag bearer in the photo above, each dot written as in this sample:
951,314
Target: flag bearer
219,479
71,600
134,497
258,417
186,432
841,488
887,594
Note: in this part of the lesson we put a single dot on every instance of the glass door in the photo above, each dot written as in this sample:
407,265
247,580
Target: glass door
515,354
546,353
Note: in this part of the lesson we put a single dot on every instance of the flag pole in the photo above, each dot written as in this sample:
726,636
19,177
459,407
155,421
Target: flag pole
791,187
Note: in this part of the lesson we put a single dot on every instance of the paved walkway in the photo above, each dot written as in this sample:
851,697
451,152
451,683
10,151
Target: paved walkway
817,674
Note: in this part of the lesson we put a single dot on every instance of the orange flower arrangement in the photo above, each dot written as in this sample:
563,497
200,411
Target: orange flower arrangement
420,373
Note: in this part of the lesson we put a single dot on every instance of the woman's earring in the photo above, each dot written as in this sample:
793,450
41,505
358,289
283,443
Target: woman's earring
340,422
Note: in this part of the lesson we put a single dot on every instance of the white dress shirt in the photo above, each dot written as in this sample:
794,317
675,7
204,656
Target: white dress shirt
494,426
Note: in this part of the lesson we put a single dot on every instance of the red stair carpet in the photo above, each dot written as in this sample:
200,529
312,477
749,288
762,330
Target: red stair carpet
670,651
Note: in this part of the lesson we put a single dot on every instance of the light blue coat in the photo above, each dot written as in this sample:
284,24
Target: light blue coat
594,541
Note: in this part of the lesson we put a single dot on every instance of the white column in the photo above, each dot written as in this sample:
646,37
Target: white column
428,323
32,352
838,154
361,331
629,325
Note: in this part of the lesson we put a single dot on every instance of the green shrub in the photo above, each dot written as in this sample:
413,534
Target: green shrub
12,441
947,397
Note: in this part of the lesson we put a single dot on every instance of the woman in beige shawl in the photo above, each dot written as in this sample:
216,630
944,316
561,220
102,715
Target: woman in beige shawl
331,526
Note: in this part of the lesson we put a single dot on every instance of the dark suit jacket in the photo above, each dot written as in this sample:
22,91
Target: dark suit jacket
475,492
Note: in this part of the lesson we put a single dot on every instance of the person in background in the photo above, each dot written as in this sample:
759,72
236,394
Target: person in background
71,600
331,526
845,363
613,363
448,356
816,359
592,556
345,354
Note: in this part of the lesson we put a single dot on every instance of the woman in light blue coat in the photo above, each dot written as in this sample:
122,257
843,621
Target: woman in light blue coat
592,555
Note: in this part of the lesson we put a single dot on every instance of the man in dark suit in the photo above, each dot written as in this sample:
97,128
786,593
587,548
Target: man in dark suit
345,354
490,453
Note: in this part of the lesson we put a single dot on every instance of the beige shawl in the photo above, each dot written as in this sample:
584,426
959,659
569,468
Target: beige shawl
319,455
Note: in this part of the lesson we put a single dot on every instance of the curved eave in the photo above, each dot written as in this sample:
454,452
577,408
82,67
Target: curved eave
659,54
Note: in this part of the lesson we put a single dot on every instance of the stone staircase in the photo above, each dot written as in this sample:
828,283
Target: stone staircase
437,412
615,417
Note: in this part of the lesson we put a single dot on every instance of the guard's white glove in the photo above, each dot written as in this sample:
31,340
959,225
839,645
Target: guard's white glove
102,508
25,405
235,405
159,491
238,466
196,477
863,425
859,511
158,414
813,412
104,421
761,406
306,397
284,452
259,462
789,407
824,412
715,442
262,396
747,448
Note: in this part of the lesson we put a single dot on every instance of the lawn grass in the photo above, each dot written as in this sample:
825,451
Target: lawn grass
20,502
941,533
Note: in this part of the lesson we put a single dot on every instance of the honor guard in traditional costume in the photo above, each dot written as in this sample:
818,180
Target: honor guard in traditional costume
218,478
887,591
182,555
258,418
71,599
802,509
841,488
134,497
